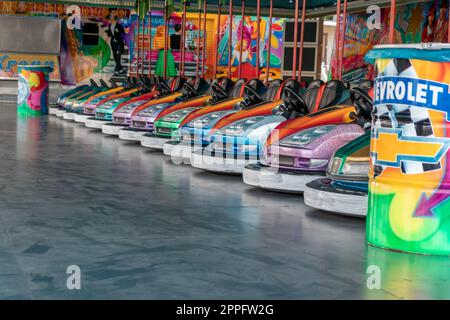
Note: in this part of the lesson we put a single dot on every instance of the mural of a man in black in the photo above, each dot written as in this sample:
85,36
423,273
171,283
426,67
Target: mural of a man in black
175,39
116,31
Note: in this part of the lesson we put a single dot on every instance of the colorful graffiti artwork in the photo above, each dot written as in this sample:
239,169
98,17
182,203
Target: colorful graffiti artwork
409,191
32,98
78,61
249,46
9,63
416,22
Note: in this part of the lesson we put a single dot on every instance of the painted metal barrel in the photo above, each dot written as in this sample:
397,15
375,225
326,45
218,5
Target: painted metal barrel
32,97
409,189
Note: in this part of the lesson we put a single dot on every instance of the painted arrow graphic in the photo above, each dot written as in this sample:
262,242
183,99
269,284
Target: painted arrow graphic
427,206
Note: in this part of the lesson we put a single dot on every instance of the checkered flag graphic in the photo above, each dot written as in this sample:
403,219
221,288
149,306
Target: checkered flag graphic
414,121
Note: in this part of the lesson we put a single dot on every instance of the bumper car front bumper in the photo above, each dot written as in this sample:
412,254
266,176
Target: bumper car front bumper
95,123
69,116
321,194
112,128
81,117
275,179
220,162
150,140
180,152
131,134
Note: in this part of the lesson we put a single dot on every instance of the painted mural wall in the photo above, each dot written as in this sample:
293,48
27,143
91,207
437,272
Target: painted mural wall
81,58
148,47
414,23
78,61
249,46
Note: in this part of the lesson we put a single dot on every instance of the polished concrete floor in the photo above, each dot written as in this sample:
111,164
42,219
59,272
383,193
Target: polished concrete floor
141,227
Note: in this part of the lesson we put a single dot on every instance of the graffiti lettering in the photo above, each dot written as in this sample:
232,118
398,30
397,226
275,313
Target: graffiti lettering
74,21
409,91
374,20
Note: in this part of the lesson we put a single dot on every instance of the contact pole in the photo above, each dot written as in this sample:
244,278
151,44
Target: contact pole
183,38
205,6
199,22
392,21
258,36
338,35
270,41
219,13
242,38
166,36
138,43
302,42
342,41
294,63
230,36
150,43
143,48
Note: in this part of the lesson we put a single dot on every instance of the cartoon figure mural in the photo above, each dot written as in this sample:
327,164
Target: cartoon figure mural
248,67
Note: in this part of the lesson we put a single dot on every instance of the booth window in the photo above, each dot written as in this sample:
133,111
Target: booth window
90,34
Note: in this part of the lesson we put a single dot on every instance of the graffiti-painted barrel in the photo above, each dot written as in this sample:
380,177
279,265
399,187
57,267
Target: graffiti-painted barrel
409,189
32,97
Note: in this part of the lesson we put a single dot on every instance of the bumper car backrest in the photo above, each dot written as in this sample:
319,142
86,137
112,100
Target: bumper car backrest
177,83
312,93
104,84
363,103
238,89
93,83
164,87
366,85
335,93
273,90
220,89
195,87
253,93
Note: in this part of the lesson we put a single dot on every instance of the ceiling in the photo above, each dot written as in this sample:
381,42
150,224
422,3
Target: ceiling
282,8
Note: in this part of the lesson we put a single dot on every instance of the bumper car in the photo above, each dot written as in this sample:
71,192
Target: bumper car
168,122
195,94
193,131
84,95
107,100
223,92
148,92
238,139
80,102
71,94
298,151
344,190
130,89
167,92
